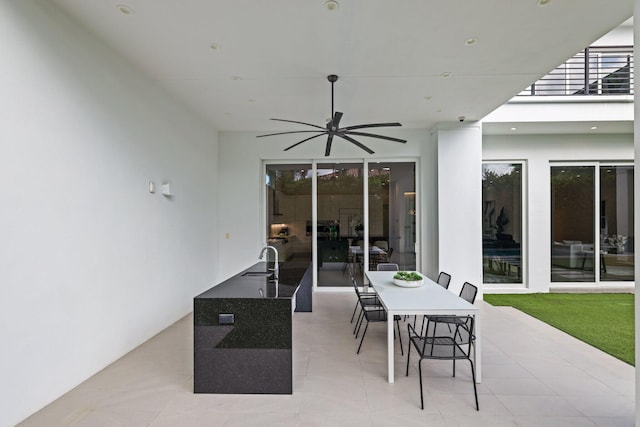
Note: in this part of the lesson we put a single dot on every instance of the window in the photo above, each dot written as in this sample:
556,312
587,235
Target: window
584,249
502,222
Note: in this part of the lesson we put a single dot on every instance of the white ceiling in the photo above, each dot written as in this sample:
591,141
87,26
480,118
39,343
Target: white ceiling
272,57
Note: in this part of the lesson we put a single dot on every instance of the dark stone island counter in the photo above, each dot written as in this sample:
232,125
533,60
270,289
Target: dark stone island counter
243,332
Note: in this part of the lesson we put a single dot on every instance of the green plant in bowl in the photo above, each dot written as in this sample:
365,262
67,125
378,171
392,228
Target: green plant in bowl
409,276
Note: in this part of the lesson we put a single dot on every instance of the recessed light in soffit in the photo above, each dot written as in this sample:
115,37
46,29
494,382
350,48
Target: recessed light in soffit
125,10
543,2
331,5
471,41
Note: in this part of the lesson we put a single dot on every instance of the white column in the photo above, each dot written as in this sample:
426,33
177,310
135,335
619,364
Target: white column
459,204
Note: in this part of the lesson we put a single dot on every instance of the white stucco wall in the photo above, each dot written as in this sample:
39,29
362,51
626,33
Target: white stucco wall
241,179
91,263
537,151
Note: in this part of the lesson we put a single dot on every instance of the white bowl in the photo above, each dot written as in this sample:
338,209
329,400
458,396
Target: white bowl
408,283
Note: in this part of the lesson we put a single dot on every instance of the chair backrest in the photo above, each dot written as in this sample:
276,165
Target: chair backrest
355,286
444,279
468,292
463,336
382,244
388,266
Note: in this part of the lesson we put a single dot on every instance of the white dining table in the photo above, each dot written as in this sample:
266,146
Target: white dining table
430,299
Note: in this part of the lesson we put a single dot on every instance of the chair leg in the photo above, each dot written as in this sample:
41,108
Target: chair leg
362,339
408,356
420,375
473,378
354,310
358,323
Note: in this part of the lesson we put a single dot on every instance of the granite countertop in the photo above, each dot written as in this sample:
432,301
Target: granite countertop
244,285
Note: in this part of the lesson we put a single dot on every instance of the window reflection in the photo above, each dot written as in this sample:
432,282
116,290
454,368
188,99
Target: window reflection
572,224
502,222
616,223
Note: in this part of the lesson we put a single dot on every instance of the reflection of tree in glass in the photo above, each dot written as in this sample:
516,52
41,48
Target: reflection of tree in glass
344,182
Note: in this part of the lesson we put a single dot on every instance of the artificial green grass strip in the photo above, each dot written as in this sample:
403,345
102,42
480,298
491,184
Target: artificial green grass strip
605,321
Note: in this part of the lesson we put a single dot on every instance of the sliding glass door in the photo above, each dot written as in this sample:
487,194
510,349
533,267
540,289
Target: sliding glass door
617,235
288,222
340,219
365,214
584,249
392,215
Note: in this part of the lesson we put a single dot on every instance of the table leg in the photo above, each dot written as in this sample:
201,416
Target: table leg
390,346
477,350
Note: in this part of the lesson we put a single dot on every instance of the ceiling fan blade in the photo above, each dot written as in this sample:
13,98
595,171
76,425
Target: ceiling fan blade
334,124
294,131
304,140
373,135
327,149
353,141
300,123
372,125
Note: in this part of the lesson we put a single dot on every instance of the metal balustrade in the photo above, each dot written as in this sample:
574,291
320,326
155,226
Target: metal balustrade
598,70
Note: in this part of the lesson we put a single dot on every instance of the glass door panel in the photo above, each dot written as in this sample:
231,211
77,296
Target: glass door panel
573,224
288,196
616,223
502,224
340,229
392,214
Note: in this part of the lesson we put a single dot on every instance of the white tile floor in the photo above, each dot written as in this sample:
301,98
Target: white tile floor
533,375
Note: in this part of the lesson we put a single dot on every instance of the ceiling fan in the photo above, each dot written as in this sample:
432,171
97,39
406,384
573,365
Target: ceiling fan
333,129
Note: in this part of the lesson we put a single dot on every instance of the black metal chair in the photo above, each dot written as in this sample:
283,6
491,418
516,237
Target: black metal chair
372,311
467,293
362,299
444,279
388,266
432,345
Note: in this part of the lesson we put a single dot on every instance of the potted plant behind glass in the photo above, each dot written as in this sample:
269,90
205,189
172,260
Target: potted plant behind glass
619,241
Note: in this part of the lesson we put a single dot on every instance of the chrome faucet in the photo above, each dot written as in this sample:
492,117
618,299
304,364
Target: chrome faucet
275,268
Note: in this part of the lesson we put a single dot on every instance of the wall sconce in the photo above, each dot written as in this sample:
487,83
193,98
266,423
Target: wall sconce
166,190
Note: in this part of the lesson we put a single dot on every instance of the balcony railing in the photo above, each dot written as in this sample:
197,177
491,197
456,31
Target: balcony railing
604,70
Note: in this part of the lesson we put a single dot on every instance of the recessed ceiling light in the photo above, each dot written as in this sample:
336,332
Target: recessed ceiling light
514,128
470,41
594,127
214,46
124,9
445,75
332,5
543,2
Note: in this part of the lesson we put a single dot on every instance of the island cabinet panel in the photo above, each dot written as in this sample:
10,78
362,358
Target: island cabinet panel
243,333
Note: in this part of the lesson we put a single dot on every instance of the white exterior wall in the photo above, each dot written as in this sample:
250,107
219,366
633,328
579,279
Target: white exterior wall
91,263
537,151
